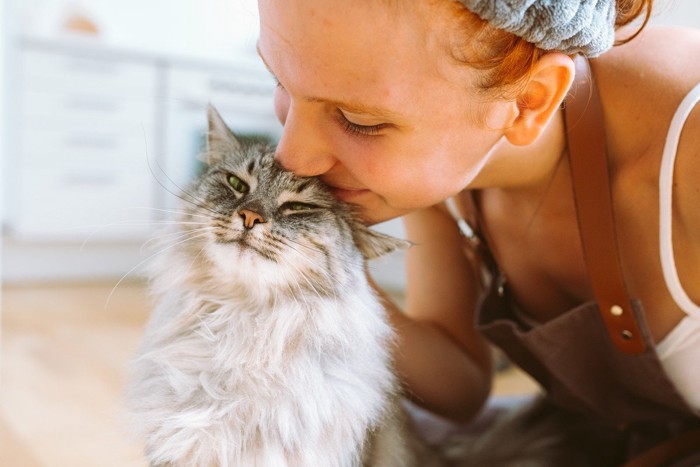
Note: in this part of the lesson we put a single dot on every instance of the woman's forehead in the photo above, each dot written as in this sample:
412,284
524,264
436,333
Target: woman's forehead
368,51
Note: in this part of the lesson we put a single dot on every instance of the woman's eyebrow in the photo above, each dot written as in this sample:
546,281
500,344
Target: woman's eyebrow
348,106
358,108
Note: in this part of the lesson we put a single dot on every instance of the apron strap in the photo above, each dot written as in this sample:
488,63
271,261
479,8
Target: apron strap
589,169
681,450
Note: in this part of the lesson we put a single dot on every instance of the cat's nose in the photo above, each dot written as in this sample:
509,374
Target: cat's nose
250,218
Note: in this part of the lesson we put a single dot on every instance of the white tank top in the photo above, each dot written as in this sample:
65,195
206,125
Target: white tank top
679,351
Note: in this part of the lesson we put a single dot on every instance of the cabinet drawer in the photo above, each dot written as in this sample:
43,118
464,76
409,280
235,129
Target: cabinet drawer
86,146
52,71
196,85
76,205
86,109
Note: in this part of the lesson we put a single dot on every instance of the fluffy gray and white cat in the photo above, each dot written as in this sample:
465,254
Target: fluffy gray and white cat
267,346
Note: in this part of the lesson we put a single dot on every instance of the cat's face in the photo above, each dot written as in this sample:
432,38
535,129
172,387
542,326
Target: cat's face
265,224
265,221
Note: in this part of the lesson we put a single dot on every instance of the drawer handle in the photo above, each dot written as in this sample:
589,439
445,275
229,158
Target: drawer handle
91,141
92,180
91,104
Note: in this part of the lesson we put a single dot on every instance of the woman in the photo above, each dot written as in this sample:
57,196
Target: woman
402,105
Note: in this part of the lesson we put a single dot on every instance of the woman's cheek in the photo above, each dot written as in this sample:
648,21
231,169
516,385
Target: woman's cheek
369,159
281,104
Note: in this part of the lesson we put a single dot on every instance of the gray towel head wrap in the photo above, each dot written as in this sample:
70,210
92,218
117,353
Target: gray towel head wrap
569,26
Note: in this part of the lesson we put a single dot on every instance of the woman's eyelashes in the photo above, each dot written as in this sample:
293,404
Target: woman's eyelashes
356,129
347,124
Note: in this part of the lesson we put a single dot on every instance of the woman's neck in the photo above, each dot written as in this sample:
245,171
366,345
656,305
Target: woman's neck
523,170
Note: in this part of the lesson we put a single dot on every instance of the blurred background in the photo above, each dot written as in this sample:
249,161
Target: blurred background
102,114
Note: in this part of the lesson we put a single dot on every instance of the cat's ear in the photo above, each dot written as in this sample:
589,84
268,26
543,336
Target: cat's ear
373,244
220,139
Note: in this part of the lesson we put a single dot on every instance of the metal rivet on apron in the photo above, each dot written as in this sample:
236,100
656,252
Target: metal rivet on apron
626,335
616,310
501,291
501,282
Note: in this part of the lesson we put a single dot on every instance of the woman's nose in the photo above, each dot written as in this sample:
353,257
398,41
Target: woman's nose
301,148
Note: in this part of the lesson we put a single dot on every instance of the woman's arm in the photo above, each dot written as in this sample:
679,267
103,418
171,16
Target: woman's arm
445,364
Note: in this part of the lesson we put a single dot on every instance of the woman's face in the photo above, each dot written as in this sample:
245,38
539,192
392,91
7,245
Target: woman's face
372,101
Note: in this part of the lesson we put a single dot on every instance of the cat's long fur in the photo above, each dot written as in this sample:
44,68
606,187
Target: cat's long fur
267,346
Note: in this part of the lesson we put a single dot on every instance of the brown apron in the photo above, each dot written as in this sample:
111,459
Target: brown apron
597,361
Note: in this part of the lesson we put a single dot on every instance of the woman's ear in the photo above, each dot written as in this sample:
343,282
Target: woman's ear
541,97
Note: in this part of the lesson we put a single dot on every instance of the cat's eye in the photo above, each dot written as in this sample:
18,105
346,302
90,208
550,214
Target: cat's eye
238,184
298,206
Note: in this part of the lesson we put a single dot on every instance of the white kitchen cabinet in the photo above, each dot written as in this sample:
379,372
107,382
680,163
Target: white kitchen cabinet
85,121
97,139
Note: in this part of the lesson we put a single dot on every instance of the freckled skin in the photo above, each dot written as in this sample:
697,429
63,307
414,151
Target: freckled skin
439,131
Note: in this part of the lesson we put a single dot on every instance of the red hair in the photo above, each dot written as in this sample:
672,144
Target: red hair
508,60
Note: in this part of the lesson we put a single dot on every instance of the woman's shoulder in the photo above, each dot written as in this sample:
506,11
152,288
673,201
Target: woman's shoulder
642,83
666,54
652,71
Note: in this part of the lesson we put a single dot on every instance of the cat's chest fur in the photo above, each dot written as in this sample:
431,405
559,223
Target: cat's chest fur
267,346
282,381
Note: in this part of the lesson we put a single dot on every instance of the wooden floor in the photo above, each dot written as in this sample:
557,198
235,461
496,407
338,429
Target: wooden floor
64,355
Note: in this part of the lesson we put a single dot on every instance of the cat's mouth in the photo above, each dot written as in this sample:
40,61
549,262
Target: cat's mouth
230,238
245,243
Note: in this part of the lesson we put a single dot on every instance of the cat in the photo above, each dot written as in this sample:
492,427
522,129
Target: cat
268,346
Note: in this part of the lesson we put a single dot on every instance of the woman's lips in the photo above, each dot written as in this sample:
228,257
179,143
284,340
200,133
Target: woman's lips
347,194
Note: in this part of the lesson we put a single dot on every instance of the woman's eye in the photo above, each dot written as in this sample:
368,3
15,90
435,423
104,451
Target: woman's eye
237,184
297,206
356,129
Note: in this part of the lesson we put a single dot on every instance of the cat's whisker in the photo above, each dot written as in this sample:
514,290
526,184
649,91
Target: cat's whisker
321,273
186,236
290,282
184,196
141,263
175,235
289,285
199,204
199,253
325,274
295,297
296,242
183,193
130,223
303,275
172,211
306,317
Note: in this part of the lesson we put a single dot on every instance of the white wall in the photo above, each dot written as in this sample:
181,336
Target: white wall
211,29
4,23
678,12
211,35
2,106
2,152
